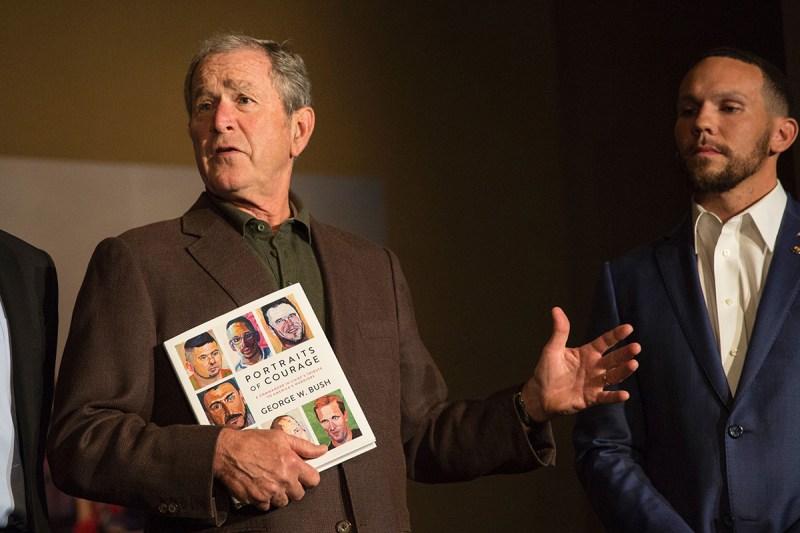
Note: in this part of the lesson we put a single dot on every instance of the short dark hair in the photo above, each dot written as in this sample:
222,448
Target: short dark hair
195,342
776,87
241,320
273,305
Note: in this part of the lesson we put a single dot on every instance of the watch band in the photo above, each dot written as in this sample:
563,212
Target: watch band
520,406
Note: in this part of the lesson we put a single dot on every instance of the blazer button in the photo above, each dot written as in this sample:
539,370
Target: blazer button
173,508
344,526
162,508
735,431
729,520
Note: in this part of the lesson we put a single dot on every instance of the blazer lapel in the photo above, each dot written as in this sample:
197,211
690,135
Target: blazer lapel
342,287
225,254
26,351
678,265
780,291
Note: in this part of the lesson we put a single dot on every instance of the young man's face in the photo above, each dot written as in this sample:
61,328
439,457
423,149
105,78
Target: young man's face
206,360
334,422
225,406
723,127
287,324
244,341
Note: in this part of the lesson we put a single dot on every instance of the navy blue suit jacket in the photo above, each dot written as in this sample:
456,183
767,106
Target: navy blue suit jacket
683,454
28,290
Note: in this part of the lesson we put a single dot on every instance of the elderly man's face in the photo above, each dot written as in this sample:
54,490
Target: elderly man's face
225,406
206,360
287,323
241,134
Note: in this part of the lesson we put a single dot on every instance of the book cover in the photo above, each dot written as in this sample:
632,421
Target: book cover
269,365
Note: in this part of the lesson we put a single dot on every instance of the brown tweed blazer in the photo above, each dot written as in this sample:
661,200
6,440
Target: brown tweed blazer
122,431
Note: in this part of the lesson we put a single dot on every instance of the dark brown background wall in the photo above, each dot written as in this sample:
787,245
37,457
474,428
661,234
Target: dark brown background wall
519,144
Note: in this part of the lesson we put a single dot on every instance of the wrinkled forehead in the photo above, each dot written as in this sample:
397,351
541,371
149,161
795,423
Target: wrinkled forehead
243,68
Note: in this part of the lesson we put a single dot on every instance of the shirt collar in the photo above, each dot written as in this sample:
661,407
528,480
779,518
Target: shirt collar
300,218
766,215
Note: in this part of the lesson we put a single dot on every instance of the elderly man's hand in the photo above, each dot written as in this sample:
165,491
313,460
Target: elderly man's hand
567,380
265,468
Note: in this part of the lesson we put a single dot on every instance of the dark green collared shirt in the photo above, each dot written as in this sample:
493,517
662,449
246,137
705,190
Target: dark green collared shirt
288,255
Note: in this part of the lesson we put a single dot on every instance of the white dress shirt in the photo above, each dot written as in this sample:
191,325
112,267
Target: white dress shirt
8,461
733,260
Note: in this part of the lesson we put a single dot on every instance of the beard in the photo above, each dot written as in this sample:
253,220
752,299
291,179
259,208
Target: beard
703,179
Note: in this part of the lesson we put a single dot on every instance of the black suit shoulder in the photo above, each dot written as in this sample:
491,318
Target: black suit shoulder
24,253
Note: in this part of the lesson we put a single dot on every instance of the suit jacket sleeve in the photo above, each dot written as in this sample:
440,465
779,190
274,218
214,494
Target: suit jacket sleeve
608,443
104,444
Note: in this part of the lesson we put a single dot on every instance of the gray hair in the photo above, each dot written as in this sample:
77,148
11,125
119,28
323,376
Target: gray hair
288,72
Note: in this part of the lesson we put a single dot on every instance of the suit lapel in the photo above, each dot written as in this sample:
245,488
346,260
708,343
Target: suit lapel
225,255
678,265
780,291
342,289
26,350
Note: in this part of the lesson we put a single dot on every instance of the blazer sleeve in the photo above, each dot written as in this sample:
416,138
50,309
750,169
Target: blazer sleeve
103,444
608,442
455,441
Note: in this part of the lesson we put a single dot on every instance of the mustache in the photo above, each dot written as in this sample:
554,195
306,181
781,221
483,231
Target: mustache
691,149
233,416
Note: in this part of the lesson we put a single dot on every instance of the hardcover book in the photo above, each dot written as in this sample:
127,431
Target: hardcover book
269,365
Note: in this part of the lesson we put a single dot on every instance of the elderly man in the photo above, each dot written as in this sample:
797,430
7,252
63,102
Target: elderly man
709,440
122,436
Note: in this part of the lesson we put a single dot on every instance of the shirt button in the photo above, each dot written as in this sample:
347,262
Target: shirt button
274,253
344,526
726,253
735,431
728,301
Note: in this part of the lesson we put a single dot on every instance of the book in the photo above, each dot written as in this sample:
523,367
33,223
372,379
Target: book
269,365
